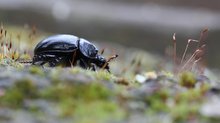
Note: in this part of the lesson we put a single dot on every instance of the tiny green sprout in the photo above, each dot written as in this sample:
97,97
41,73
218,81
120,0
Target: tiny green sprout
75,70
187,79
36,70
103,75
25,56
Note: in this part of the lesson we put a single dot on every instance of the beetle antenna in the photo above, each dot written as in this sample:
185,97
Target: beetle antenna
108,70
112,57
102,51
109,59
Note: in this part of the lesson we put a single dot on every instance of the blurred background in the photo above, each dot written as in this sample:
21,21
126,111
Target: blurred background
144,24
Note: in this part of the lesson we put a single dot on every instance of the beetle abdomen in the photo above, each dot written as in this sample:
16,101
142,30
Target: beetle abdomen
57,43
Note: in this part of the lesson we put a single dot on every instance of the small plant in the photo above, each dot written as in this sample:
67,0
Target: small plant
6,45
193,63
9,45
187,79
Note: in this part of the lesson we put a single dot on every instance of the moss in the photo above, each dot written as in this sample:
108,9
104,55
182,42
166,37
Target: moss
76,98
191,95
185,111
26,87
77,91
12,98
15,95
54,75
103,75
10,62
96,111
187,79
36,70
25,56
187,104
157,101
75,70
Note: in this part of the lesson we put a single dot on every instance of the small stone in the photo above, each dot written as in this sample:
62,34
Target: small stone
211,108
141,79
151,75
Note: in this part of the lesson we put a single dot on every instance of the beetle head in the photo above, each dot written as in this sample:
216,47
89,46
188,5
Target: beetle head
101,62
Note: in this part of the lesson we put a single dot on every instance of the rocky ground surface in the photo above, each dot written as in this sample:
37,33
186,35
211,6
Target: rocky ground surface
30,94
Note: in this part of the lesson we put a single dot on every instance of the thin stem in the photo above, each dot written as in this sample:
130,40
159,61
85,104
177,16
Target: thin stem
184,54
191,58
174,49
195,62
202,37
187,46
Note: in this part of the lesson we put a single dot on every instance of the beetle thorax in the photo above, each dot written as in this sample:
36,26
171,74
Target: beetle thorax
87,49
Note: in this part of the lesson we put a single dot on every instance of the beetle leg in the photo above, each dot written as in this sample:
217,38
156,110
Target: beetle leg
93,67
38,60
52,60
56,61
83,64
41,63
53,63
108,70
73,62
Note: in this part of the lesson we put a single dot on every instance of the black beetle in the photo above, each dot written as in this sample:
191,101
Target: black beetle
68,50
